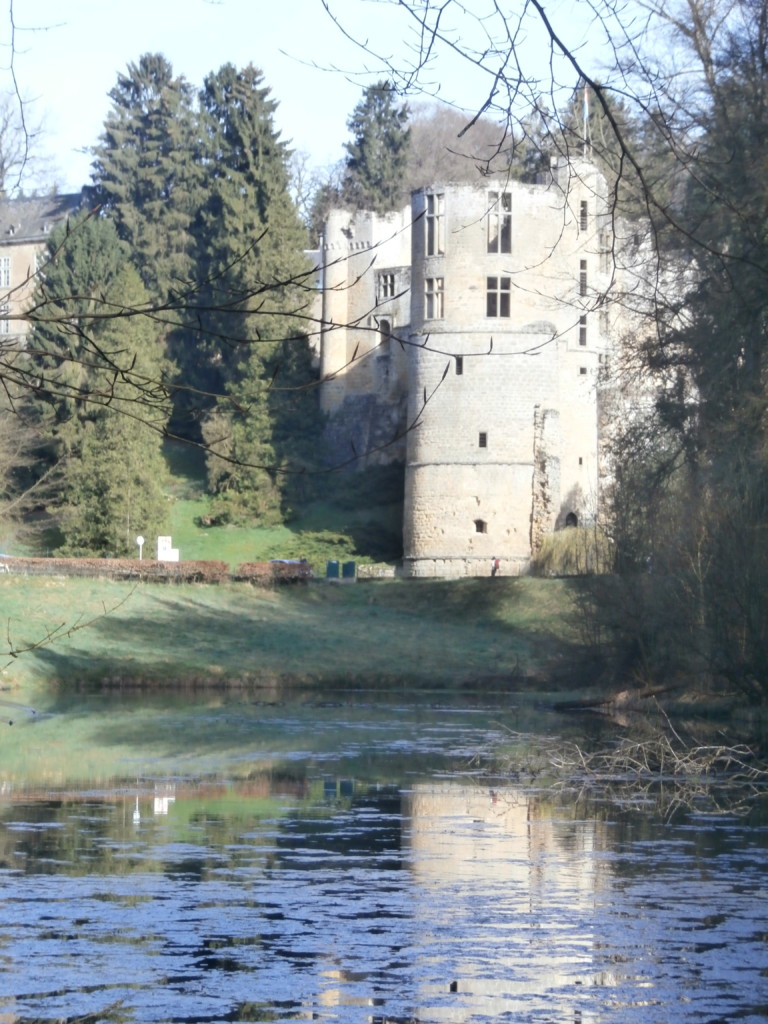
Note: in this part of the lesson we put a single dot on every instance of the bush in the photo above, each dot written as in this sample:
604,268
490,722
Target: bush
267,573
119,568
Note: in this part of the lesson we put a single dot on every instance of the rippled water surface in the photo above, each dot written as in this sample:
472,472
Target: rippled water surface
353,862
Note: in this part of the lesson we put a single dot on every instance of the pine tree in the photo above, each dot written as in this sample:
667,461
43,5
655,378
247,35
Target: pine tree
377,156
97,402
254,280
145,173
297,421
606,131
723,344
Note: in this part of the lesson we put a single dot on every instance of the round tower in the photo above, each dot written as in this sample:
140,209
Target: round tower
503,362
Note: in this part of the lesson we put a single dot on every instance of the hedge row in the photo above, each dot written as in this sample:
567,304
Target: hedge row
259,573
272,572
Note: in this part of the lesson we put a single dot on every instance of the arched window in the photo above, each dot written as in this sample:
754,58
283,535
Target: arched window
571,519
385,333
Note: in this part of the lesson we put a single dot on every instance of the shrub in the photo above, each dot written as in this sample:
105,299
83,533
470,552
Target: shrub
267,573
574,551
120,568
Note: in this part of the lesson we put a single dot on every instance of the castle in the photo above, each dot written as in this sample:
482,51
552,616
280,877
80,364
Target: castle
467,335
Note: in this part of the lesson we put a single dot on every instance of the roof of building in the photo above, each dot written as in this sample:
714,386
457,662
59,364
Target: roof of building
31,218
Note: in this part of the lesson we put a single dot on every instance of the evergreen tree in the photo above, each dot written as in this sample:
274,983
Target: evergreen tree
255,282
113,488
723,344
145,173
604,129
98,404
297,421
377,156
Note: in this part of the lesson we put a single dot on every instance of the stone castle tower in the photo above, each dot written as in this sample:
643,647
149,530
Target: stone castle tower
465,335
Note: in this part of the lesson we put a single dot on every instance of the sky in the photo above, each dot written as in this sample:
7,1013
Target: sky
67,55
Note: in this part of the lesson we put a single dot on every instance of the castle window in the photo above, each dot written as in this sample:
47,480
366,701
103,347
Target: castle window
583,370
5,271
584,215
571,519
481,526
386,286
497,302
583,277
482,440
583,330
606,251
500,222
435,225
459,365
433,298
5,323
385,333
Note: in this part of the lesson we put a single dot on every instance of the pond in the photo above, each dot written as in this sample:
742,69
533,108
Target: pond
198,859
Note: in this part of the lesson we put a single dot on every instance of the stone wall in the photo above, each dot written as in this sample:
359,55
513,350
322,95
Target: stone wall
502,409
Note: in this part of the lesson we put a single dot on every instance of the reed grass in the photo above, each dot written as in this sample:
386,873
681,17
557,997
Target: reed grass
575,551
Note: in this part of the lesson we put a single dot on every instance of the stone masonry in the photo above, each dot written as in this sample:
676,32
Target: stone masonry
473,325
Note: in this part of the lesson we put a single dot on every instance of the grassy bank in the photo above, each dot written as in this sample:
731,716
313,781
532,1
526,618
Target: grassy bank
474,632
358,519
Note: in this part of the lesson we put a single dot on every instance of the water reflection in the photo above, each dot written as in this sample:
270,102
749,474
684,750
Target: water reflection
535,876
310,891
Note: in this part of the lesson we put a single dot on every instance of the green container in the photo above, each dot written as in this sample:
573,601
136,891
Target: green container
349,570
332,570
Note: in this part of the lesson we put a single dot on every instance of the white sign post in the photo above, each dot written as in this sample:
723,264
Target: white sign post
140,542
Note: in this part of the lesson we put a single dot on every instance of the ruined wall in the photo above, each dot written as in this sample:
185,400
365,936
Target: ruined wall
502,395
364,316
547,443
506,447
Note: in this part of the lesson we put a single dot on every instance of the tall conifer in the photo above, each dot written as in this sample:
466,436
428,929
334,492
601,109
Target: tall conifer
145,174
254,278
377,156
96,364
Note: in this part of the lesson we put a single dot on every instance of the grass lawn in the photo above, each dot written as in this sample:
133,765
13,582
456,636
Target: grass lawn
350,529
432,634
306,537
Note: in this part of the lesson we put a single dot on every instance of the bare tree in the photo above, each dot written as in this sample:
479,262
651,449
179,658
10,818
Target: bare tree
444,148
680,94
20,163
